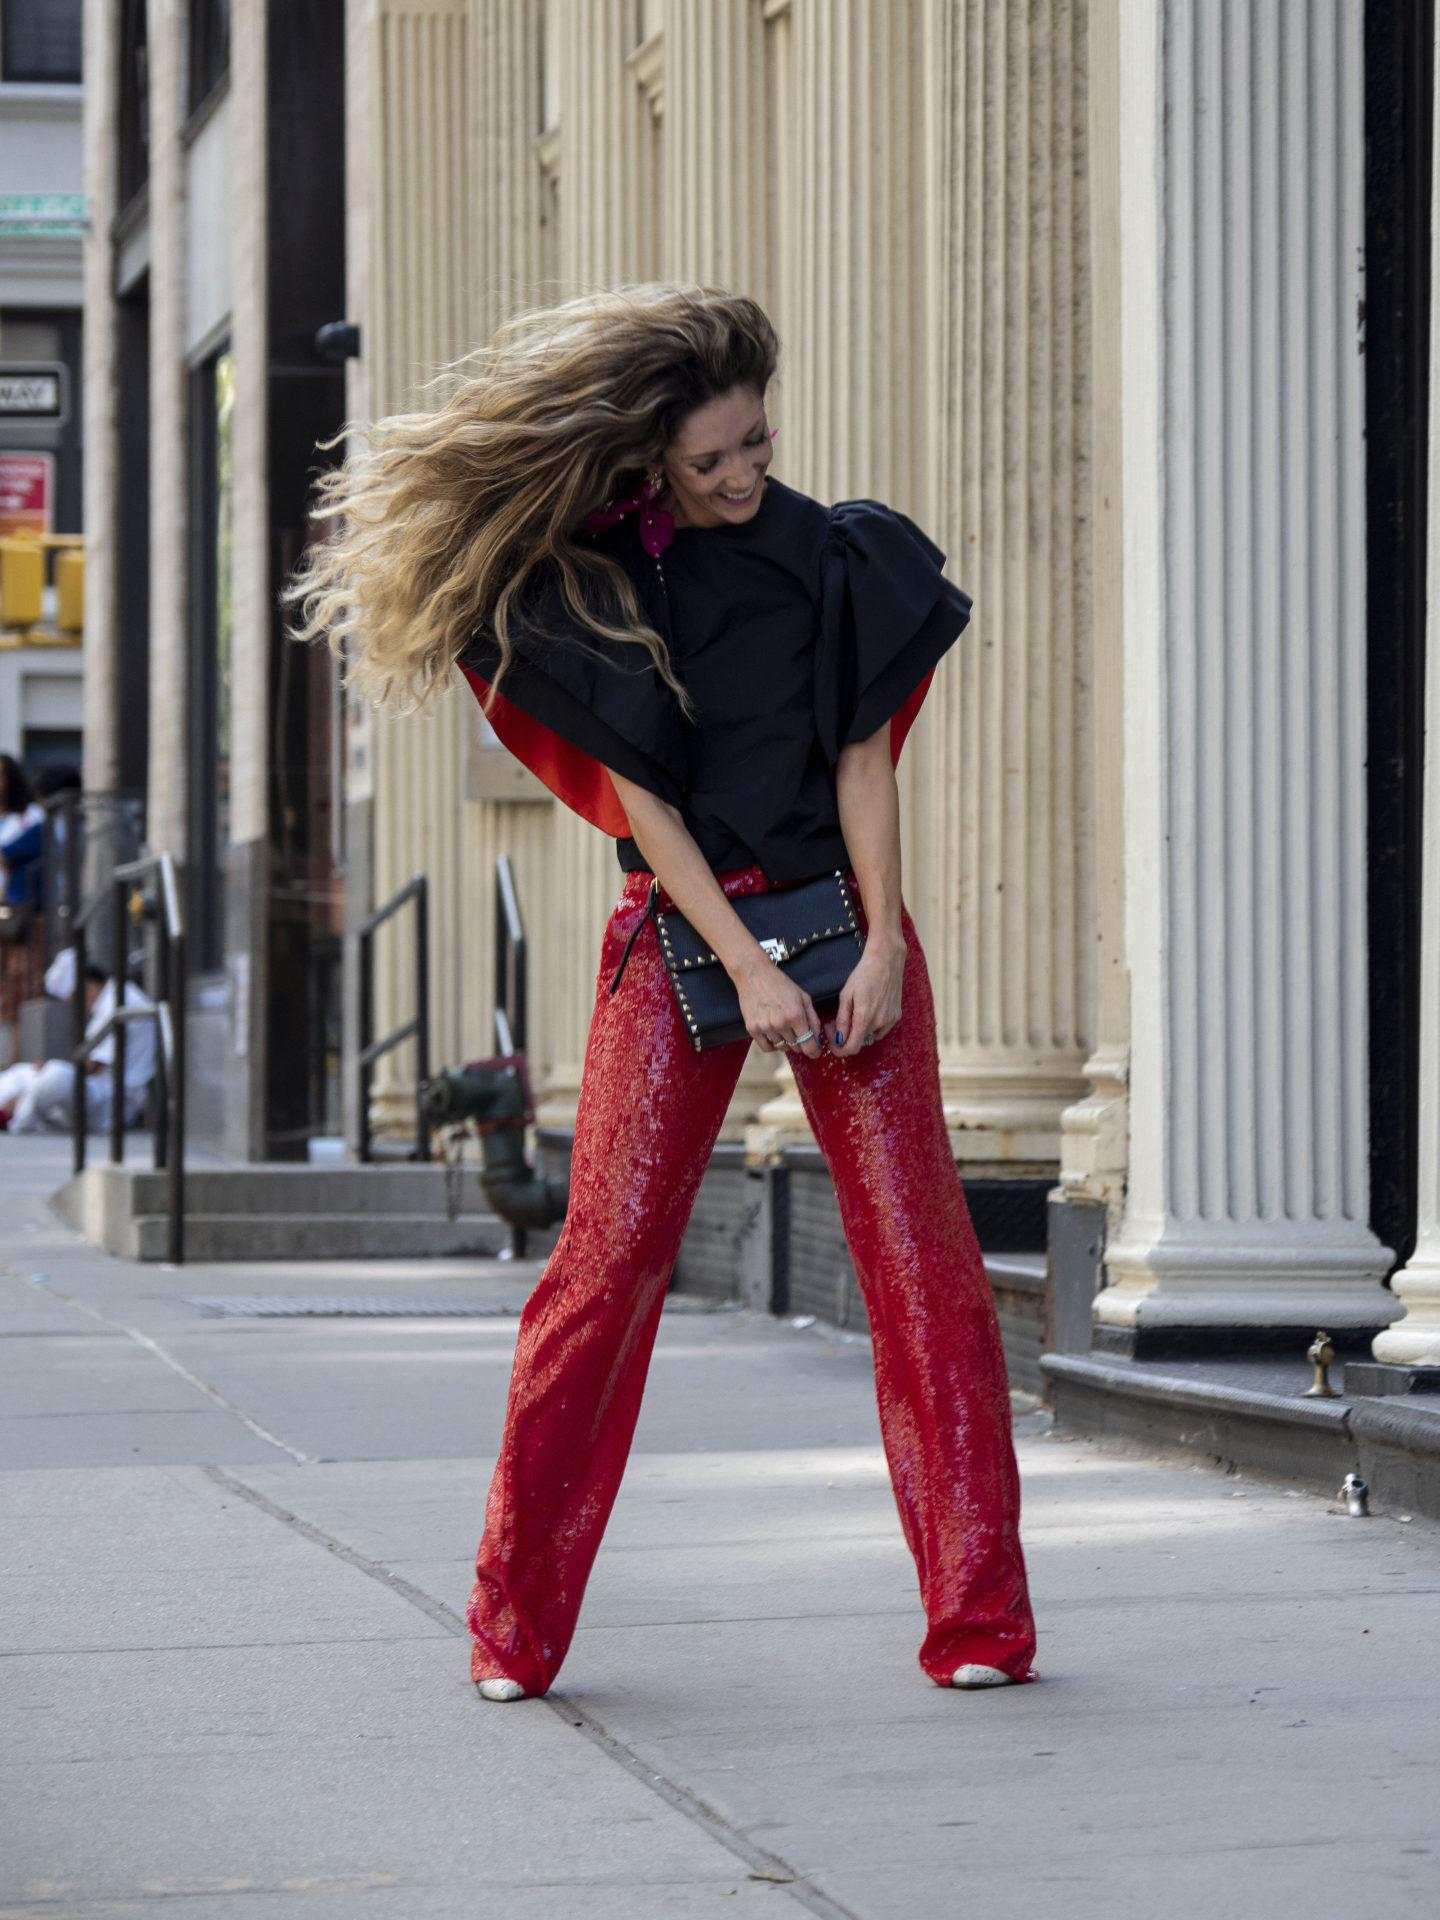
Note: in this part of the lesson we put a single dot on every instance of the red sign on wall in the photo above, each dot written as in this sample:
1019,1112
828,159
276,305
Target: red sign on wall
27,492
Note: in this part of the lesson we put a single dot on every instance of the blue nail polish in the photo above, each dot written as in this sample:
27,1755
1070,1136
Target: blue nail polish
839,1038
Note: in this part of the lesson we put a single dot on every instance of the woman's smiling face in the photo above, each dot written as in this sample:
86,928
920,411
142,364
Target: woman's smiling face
715,465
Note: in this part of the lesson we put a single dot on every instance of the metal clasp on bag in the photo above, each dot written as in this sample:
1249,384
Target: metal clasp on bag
776,949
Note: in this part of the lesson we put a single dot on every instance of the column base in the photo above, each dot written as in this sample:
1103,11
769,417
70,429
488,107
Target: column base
1414,1340
1250,1287
1237,1342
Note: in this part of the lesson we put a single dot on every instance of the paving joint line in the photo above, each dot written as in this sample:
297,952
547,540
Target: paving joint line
763,1865
176,1366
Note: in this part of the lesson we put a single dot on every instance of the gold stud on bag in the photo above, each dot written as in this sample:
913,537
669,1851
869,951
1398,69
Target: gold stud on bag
811,932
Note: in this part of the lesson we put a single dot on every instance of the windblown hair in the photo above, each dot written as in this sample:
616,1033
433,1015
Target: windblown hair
441,519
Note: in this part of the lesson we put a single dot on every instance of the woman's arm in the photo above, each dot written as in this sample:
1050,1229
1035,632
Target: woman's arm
774,1008
870,821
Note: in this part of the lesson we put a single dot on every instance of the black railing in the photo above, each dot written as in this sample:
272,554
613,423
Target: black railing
87,835
166,1010
417,1027
510,968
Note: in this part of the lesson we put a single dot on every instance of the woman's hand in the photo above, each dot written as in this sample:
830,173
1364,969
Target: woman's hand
870,820
870,998
775,1010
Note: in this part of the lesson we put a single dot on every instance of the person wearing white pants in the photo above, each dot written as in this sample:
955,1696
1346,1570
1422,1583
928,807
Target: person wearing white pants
41,1098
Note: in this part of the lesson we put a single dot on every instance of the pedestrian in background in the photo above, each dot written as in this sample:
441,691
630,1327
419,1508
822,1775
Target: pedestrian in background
720,672
40,1098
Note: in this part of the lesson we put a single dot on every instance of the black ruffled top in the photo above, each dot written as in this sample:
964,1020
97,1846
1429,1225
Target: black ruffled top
794,634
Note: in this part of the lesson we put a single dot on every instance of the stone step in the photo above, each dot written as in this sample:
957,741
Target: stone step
283,1212
272,1188
1231,1411
320,1236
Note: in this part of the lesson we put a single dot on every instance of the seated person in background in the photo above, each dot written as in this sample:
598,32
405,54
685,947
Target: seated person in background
36,1099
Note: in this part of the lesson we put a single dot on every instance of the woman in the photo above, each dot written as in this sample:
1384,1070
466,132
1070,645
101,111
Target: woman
720,673
17,803
19,817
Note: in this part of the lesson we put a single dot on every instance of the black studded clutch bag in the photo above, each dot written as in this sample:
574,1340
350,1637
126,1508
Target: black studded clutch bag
810,931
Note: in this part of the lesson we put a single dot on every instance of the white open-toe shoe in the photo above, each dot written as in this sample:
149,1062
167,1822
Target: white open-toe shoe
500,1689
972,1678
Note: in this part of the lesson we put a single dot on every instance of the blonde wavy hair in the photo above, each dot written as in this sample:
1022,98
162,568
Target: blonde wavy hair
441,519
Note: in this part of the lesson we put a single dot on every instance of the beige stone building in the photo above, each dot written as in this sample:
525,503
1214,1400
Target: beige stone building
1125,301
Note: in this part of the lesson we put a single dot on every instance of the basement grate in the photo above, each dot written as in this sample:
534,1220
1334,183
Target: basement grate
315,1306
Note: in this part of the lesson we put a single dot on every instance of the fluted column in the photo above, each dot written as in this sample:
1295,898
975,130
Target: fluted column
939,362
715,199
252,613
419,322
855,129
101,402
1415,1340
604,127
1242,227
1094,1133
1003,879
169,492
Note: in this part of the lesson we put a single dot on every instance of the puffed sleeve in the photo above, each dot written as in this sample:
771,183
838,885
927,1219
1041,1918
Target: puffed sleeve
574,707
887,615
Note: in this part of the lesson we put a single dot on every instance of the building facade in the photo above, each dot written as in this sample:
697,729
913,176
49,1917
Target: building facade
215,170
1127,302
42,223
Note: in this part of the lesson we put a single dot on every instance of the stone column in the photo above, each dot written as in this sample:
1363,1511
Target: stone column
855,120
714,204
166,813
1001,882
939,363
1242,172
251,610
415,78
1415,1340
1094,1141
101,398
603,124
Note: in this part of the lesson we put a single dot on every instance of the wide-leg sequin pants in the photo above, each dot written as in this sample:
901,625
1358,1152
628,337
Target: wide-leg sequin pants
650,1110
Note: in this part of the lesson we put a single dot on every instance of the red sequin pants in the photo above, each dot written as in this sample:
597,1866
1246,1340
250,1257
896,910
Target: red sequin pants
650,1109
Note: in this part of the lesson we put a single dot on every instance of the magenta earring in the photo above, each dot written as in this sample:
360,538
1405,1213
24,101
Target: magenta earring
657,528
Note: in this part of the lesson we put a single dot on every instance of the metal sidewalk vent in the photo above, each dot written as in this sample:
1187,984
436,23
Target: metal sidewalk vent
314,1306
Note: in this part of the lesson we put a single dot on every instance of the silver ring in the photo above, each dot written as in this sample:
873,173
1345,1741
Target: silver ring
799,1041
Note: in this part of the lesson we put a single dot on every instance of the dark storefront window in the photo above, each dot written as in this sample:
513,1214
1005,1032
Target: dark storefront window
306,289
209,48
134,101
40,40
212,521
49,335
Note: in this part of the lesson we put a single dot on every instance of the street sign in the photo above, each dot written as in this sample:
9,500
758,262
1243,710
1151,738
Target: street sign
27,492
33,393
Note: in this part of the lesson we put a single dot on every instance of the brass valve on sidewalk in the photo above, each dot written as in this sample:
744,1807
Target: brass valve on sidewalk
1321,1354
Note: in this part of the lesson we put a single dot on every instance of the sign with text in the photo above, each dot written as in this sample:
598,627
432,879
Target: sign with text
32,393
27,492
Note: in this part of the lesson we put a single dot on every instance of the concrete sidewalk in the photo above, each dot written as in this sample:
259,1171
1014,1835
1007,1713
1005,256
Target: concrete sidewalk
236,1551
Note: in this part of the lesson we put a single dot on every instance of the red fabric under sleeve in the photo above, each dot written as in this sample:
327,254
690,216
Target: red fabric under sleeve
904,717
572,776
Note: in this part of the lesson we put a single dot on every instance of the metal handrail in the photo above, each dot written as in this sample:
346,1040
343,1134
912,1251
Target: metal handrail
168,1013
417,1027
510,961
